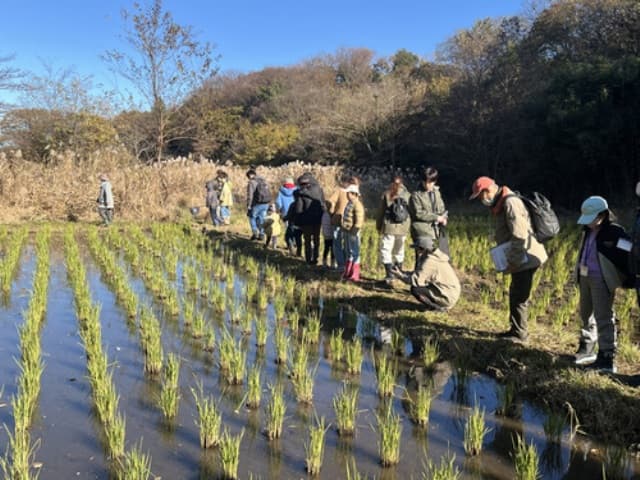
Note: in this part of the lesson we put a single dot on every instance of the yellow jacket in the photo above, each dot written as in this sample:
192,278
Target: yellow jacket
272,225
226,197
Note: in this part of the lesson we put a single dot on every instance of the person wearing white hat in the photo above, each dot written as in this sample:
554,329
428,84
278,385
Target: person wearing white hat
603,262
105,200
352,223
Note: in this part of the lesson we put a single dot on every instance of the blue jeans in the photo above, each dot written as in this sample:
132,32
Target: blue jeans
352,250
215,218
256,218
339,247
225,214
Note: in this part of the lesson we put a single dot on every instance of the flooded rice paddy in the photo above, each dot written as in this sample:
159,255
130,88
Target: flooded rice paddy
195,278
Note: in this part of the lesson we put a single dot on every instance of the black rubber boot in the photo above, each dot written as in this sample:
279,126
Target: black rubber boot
388,279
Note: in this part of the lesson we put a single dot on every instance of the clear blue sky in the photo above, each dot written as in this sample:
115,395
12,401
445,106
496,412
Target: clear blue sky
249,34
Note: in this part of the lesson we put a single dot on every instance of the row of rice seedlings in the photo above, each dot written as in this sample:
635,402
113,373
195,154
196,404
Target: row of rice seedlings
386,371
475,431
9,264
151,341
345,406
105,396
314,448
18,458
169,397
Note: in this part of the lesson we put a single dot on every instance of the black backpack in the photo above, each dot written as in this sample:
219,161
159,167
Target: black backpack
262,193
543,219
398,211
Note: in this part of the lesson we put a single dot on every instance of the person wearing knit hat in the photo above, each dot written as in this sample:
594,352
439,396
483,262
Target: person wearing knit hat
105,200
513,228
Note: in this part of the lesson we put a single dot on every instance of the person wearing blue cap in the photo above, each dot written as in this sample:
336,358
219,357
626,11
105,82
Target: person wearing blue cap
602,267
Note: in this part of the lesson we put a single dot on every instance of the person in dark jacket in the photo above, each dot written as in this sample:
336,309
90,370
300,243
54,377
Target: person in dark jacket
602,262
635,252
212,202
256,206
307,213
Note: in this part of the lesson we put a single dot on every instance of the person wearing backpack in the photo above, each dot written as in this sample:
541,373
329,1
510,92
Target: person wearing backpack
603,266
525,254
392,223
258,199
428,212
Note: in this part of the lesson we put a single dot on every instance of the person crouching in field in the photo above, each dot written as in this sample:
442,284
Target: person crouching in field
272,227
602,267
105,200
212,202
352,223
434,283
225,196
524,253
392,223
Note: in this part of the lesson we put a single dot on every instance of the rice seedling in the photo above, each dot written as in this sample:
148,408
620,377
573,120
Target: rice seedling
188,310
209,418
115,436
314,448
389,432
446,470
237,365
170,393
17,460
225,350
430,352
262,299
553,427
303,385
293,318
506,400
281,340
276,409
299,361
199,325
230,454
313,327
525,458
135,465
345,405
251,289
209,339
353,356
397,342
385,374
254,388
421,406
279,306
336,345
351,471
246,322
261,331
475,431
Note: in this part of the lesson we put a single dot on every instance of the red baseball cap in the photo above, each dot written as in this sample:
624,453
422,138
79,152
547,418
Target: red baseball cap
480,184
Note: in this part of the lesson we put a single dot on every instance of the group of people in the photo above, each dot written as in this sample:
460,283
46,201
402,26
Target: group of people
219,198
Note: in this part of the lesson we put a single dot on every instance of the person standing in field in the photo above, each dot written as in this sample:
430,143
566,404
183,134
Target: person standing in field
635,252
225,196
105,200
284,199
308,208
393,222
524,253
352,223
328,257
272,227
338,201
602,267
258,198
212,202
428,212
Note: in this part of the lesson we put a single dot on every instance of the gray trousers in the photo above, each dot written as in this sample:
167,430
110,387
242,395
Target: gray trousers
519,291
596,313
106,214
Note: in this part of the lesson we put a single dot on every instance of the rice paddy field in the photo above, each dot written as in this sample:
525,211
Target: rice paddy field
158,351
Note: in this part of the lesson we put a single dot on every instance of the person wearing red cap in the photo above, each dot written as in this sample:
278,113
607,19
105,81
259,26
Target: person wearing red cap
524,253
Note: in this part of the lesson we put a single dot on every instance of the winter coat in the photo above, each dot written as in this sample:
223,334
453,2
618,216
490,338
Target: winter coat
424,213
383,222
252,201
338,201
513,225
272,225
613,261
327,226
105,197
308,202
226,197
353,216
285,199
436,274
211,198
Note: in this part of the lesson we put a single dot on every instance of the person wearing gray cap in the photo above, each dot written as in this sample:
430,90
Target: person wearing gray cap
105,200
603,262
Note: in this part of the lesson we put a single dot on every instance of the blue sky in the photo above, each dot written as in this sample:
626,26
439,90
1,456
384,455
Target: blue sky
249,34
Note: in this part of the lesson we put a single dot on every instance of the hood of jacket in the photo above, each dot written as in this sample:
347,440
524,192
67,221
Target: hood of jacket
287,191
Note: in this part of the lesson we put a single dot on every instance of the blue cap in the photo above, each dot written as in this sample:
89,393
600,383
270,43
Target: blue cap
591,208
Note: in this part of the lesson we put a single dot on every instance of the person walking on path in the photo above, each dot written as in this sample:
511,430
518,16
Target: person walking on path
524,253
392,222
352,223
105,200
434,283
225,196
428,212
212,202
602,266
272,227
338,201
258,199
308,208
284,200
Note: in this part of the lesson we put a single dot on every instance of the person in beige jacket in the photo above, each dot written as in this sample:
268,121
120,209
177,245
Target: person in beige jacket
352,223
434,283
524,253
337,202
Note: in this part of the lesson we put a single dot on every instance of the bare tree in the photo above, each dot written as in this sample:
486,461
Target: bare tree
167,64
10,78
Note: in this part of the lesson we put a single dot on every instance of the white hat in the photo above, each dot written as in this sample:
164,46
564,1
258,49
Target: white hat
352,189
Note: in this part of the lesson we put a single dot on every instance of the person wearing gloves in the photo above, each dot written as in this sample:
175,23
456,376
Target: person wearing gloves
434,283
352,222
524,253
603,262
105,200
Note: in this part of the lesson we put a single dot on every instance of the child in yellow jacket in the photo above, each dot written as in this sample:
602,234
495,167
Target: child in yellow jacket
272,227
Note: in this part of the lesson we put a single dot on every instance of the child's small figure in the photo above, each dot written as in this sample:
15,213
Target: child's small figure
327,235
272,227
